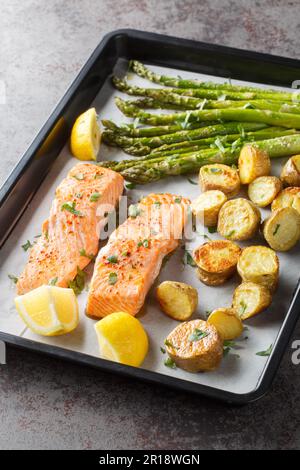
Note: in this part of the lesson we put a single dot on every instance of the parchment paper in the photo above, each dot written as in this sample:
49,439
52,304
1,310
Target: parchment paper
241,369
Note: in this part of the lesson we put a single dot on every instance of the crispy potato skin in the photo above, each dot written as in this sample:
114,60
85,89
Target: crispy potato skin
207,206
259,264
216,261
290,174
195,356
249,299
282,229
263,190
220,177
289,197
239,219
211,279
177,300
227,323
253,163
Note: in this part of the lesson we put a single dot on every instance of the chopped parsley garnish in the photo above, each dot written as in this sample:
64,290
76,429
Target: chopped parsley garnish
79,176
276,229
243,307
134,211
95,196
130,185
170,363
27,245
162,350
113,259
212,229
53,281
13,278
157,203
241,130
215,170
82,252
178,200
79,195
232,232
192,182
71,207
218,143
78,282
169,344
144,243
188,259
197,335
202,104
125,253
112,278
227,346
267,352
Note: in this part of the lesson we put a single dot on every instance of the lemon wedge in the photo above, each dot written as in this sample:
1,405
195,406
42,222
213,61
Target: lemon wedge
49,310
86,136
122,339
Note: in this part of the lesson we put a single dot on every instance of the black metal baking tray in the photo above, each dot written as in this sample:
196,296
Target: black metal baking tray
28,175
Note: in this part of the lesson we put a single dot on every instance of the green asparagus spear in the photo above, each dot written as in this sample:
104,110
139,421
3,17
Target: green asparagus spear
146,172
176,102
250,115
142,146
125,87
130,131
233,141
144,72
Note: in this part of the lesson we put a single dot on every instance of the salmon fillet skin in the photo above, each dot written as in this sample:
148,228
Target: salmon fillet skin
127,266
70,237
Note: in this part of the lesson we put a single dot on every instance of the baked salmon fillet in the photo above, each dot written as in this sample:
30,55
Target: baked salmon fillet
70,237
127,266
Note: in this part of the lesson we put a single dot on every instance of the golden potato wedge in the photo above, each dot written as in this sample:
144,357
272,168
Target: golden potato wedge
216,261
259,264
227,323
282,229
177,300
239,219
249,299
211,279
289,197
263,190
220,177
253,163
207,206
290,174
195,346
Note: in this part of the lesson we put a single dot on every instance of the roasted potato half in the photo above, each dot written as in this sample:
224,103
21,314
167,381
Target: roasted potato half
216,261
263,190
290,174
177,300
282,229
239,219
195,346
253,163
207,206
289,197
250,298
227,323
221,177
259,264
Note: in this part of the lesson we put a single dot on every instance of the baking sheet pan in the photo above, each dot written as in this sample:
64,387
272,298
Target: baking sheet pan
242,370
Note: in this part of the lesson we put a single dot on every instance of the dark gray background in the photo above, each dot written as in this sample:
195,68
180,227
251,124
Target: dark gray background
49,404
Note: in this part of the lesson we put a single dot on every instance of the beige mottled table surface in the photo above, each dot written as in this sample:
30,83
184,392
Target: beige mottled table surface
48,404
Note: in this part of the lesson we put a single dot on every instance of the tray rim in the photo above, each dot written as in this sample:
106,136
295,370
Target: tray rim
290,320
